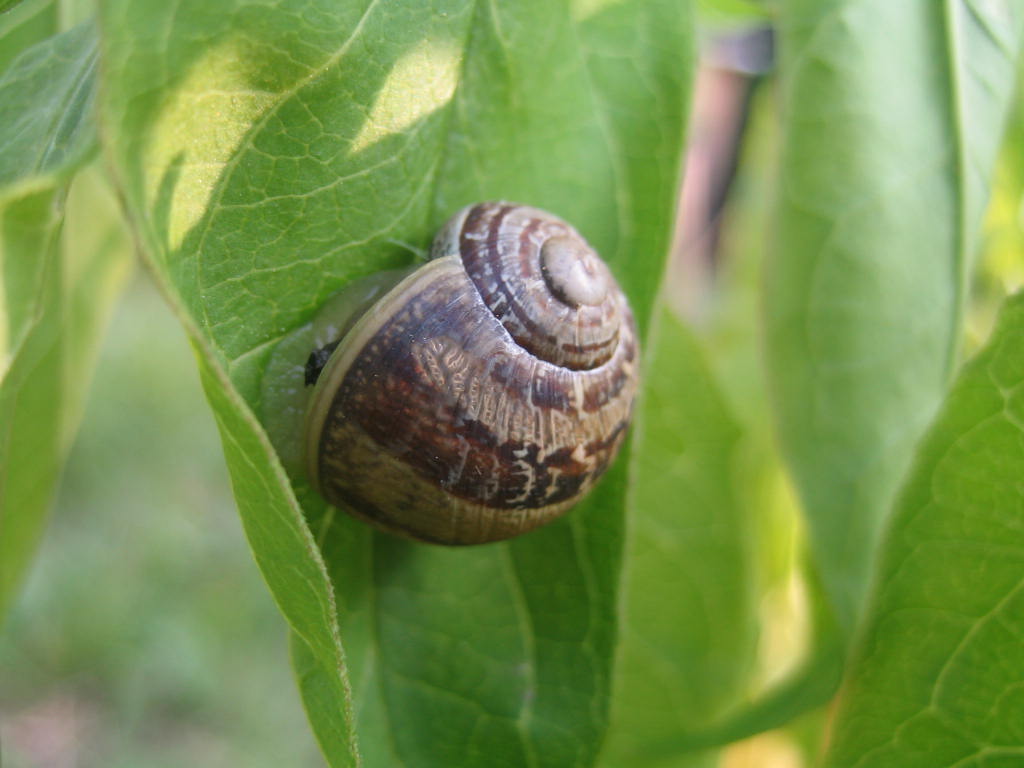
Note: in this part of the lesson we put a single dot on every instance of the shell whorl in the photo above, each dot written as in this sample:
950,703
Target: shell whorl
540,278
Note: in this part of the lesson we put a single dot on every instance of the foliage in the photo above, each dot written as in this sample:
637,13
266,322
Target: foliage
266,154
57,291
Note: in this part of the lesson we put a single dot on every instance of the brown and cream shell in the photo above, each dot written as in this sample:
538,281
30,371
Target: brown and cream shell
486,392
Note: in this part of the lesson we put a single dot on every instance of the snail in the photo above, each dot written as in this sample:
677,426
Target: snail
471,399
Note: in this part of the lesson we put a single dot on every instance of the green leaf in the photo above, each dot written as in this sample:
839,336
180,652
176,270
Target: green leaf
730,342
57,292
283,547
30,391
937,678
890,140
25,25
688,634
97,262
6,5
47,125
269,154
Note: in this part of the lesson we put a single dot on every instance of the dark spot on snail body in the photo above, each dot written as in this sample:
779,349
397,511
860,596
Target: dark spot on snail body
317,360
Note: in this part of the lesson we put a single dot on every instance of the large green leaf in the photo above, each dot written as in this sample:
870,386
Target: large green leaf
938,677
687,627
893,113
269,154
30,423
56,293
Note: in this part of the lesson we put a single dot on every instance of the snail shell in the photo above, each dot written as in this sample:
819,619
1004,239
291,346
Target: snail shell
486,392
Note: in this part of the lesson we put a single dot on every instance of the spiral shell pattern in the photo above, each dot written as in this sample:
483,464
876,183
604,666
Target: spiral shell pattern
486,393
540,279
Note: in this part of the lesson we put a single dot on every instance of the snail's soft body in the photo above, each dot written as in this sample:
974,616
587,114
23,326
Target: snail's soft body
485,393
